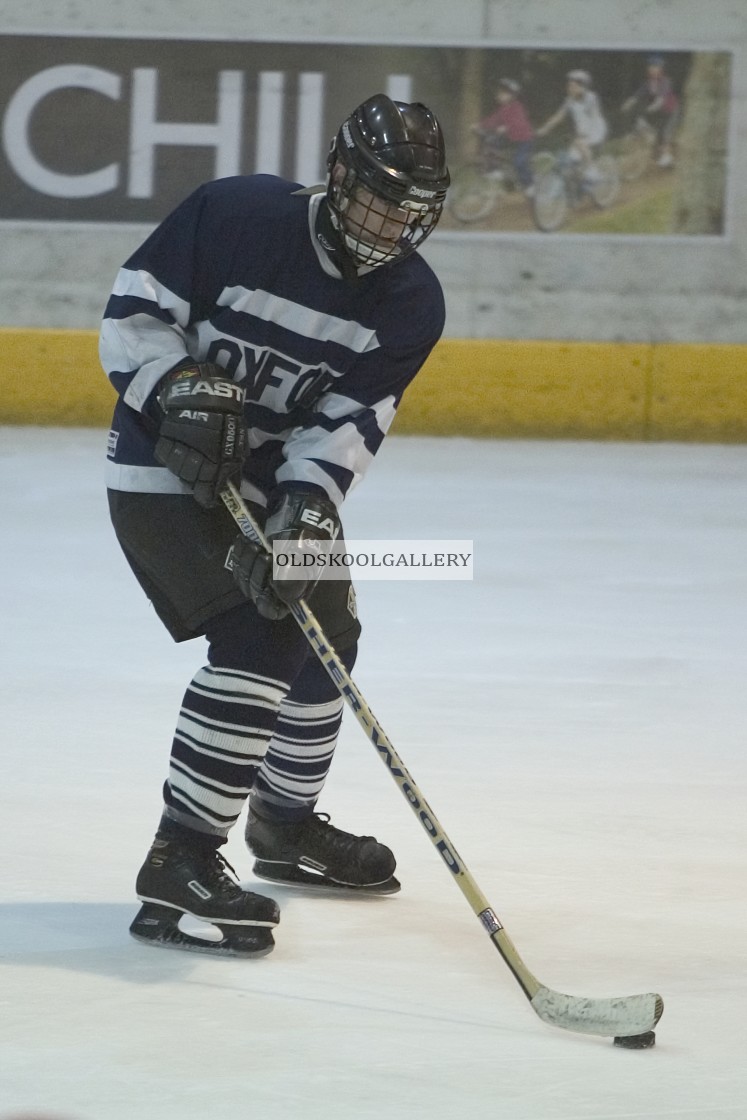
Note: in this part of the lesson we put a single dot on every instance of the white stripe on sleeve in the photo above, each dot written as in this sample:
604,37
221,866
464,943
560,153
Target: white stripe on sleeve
301,320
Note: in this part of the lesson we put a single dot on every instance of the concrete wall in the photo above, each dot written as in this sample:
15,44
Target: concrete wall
513,286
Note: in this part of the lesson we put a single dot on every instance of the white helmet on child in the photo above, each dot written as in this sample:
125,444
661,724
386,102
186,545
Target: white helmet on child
583,77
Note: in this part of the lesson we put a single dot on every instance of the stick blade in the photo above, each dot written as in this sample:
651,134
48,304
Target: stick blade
623,1015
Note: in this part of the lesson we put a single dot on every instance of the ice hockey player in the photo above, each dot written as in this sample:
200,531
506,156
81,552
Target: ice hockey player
264,334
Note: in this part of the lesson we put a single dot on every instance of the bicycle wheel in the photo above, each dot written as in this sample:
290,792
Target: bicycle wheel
605,187
471,196
550,202
633,157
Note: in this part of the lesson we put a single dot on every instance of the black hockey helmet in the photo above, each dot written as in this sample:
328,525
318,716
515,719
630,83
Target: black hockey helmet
387,179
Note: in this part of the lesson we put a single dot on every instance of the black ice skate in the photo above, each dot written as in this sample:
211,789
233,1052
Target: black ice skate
179,878
312,853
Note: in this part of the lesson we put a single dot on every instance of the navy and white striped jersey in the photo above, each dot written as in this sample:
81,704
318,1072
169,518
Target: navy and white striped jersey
235,276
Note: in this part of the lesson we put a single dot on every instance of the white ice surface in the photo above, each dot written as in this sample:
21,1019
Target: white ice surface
577,717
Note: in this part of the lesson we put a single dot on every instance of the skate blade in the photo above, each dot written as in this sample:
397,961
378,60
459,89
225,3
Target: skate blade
290,875
159,926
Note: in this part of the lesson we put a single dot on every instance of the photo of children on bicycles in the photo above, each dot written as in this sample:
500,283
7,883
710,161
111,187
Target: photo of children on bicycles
586,141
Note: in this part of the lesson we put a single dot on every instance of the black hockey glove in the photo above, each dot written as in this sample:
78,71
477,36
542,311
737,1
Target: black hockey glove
304,514
202,437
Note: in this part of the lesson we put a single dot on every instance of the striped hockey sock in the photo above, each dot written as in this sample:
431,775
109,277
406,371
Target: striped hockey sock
299,757
224,728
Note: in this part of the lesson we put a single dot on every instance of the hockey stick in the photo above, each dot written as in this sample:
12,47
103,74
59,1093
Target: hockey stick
624,1017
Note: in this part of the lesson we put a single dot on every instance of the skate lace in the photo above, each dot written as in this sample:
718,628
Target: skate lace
337,834
217,872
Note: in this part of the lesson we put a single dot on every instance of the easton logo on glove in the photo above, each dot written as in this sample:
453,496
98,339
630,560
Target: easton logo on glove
191,387
316,517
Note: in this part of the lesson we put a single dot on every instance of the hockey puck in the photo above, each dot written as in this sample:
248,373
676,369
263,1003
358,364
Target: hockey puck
637,1041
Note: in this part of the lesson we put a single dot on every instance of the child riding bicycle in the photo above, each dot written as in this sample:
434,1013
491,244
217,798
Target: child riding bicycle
657,103
509,130
584,111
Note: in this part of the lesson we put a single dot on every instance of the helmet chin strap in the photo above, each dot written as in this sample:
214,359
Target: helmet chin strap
375,256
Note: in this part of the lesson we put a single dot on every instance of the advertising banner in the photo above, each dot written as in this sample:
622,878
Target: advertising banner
113,129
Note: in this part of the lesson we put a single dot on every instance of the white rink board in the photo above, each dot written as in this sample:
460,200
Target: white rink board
575,716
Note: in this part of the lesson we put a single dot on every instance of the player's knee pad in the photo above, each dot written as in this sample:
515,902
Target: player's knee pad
313,685
242,639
